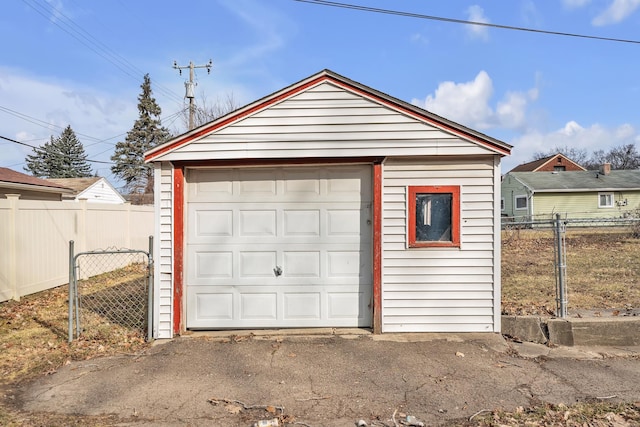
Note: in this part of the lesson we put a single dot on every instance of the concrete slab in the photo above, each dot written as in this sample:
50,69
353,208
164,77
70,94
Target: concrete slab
621,331
328,380
524,328
594,331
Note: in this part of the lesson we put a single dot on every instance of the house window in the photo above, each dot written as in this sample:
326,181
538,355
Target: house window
521,202
559,168
502,204
434,216
605,200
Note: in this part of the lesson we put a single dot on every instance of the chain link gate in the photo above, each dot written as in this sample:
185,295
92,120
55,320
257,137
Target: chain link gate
111,289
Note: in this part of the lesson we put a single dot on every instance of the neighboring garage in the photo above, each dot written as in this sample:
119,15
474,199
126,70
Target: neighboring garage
328,204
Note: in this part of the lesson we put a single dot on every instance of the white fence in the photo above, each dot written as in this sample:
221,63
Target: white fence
35,235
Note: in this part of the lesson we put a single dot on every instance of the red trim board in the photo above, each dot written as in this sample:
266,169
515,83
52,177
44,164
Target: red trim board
179,222
377,248
178,248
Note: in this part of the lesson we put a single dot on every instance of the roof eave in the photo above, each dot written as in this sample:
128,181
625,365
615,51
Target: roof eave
32,187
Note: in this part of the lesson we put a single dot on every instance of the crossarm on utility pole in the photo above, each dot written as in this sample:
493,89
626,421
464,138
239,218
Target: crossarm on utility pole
189,85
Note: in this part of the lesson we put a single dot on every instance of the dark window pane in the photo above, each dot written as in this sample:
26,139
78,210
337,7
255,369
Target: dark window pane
433,217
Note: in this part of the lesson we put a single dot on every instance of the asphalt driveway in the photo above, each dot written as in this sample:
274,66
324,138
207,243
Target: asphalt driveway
331,379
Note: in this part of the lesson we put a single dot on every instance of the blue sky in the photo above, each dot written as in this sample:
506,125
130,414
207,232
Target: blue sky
80,63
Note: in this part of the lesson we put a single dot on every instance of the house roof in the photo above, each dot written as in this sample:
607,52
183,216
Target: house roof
418,113
579,181
21,181
537,164
78,185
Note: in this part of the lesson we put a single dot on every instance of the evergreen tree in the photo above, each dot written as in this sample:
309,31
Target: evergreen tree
61,157
147,132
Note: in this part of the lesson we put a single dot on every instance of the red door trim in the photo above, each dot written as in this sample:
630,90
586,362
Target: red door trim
377,248
178,249
178,235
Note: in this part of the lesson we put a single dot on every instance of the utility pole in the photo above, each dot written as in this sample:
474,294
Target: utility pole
189,86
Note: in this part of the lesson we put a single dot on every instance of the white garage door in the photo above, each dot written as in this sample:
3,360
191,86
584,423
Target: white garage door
279,247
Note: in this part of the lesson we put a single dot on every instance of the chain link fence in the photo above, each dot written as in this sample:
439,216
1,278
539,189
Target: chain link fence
587,266
110,290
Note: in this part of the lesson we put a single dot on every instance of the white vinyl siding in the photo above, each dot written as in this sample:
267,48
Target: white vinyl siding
440,289
101,192
325,121
163,292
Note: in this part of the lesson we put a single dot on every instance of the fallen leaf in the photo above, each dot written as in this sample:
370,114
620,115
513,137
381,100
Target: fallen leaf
271,409
233,409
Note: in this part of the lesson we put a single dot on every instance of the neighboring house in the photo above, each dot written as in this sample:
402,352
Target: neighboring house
580,194
29,187
556,163
92,189
328,204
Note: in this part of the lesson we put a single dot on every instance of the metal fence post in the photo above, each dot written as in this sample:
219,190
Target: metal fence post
150,292
71,275
561,269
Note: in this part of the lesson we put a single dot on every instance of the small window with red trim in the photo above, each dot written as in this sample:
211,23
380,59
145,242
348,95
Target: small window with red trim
434,216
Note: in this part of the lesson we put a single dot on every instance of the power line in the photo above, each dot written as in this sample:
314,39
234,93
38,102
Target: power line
40,150
460,21
41,123
67,25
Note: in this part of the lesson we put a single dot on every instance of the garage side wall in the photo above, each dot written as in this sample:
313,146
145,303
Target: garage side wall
440,289
163,251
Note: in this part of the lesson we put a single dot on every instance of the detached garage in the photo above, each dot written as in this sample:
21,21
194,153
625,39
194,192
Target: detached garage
328,204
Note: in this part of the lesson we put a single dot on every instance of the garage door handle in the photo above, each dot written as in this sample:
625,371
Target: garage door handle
277,271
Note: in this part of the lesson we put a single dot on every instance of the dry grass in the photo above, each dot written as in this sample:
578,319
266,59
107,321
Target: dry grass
603,271
33,342
578,415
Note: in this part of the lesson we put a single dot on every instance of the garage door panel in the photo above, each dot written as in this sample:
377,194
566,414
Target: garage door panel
301,223
257,223
214,306
257,264
345,305
258,306
279,247
300,264
252,307
346,264
212,264
213,223
299,305
344,222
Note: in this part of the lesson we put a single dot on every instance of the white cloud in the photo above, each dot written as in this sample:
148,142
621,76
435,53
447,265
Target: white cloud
269,27
41,107
617,11
575,4
476,14
572,135
469,103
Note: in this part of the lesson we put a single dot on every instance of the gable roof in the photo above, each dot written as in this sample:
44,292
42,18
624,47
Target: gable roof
20,181
82,187
78,185
328,76
538,164
579,181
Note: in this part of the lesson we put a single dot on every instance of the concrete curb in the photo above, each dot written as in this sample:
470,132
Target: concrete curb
597,331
